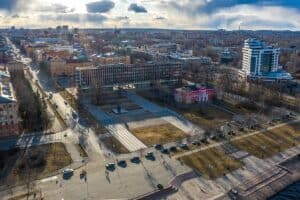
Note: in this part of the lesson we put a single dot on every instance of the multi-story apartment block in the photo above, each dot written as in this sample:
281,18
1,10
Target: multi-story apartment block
139,75
61,67
260,60
9,119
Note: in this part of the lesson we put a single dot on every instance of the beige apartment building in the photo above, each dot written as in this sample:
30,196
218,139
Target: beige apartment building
9,119
62,67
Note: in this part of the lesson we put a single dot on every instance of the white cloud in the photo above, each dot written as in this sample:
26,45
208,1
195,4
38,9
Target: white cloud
186,14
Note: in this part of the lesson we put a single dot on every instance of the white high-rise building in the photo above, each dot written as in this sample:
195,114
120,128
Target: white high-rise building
258,58
262,61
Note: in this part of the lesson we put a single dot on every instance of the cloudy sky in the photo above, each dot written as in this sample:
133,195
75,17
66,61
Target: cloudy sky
175,14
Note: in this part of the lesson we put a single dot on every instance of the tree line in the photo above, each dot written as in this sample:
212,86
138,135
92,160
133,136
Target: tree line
32,108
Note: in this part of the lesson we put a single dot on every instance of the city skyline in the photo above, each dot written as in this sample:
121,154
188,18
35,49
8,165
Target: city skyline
149,99
187,14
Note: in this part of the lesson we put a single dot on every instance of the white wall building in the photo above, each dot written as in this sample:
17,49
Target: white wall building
260,60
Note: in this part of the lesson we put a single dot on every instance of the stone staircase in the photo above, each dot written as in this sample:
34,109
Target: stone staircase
116,129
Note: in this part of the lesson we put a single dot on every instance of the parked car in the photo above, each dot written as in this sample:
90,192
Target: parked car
110,166
165,151
173,148
184,146
68,173
158,147
196,142
160,186
135,159
150,155
122,163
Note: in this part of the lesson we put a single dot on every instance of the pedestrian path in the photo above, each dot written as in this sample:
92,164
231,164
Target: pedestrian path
168,115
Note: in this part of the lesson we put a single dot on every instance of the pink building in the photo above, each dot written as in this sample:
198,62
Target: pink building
193,94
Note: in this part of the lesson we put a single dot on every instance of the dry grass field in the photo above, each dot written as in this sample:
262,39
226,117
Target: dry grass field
271,142
114,145
207,118
38,162
159,134
211,163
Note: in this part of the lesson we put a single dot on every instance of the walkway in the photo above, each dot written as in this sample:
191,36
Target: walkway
234,139
168,115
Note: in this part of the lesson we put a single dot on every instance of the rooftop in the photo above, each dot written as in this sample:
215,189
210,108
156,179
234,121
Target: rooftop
6,89
279,75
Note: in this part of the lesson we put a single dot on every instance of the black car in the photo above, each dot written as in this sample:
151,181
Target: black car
173,148
158,147
110,166
165,151
135,160
150,156
122,163
196,142
160,186
184,146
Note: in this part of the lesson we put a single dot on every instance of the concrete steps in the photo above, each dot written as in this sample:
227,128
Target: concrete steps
127,139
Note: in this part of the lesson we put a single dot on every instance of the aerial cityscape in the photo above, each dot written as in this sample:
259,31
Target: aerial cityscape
149,100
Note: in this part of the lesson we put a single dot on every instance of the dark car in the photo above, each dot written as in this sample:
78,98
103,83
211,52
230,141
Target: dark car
184,146
150,156
68,173
110,166
160,186
122,163
165,151
196,142
135,160
158,147
173,148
